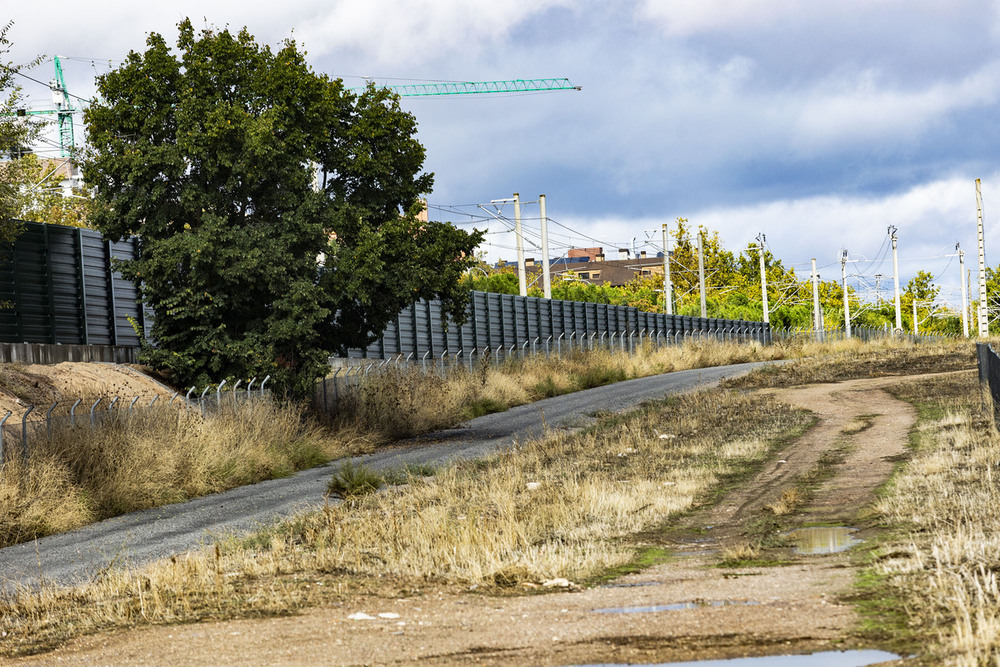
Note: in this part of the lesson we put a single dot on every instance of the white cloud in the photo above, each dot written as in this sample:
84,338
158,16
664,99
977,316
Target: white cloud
863,109
684,18
393,35
687,17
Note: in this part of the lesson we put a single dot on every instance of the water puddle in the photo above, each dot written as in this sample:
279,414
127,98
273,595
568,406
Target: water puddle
636,584
824,659
823,539
676,606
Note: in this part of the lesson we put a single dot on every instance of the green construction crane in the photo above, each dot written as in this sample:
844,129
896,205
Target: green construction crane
63,110
479,87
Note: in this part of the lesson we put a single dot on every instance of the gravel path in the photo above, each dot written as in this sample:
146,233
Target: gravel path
141,537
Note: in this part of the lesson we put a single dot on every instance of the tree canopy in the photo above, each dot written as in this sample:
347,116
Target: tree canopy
276,211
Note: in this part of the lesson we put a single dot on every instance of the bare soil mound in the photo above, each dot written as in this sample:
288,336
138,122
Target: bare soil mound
40,385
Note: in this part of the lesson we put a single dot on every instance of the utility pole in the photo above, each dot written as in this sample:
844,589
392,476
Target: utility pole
668,297
763,277
701,277
984,317
847,303
895,278
522,278
546,278
968,273
965,303
916,329
817,322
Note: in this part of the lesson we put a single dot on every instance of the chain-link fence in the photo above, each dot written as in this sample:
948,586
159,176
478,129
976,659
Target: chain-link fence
864,334
20,431
352,373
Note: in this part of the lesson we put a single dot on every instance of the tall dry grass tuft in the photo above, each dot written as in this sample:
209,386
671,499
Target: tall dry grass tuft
559,507
943,572
152,457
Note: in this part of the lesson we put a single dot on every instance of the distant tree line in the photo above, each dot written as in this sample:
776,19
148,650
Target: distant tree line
733,289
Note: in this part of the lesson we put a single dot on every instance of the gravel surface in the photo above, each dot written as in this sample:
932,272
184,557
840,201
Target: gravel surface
141,537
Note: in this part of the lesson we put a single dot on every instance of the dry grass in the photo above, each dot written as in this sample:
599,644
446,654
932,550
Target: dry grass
152,457
400,403
561,507
741,552
847,360
789,501
943,570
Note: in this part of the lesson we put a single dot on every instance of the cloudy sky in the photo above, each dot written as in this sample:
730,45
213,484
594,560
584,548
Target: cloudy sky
818,124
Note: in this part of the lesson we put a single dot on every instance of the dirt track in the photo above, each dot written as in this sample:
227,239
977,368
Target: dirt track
723,612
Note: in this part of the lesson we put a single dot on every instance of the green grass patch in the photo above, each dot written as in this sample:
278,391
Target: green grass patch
354,479
645,558
484,406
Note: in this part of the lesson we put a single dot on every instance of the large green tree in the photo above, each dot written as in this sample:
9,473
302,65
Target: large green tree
275,210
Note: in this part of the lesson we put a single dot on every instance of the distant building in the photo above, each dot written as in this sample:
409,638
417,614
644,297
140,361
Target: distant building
590,264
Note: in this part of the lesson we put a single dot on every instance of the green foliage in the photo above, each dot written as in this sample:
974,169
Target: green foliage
484,405
354,479
733,289
16,132
206,155
40,198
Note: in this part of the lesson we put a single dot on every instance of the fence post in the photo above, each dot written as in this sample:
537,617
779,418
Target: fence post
236,388
93,407
201,399
262,383
72,412
48,419
2,421
24,432
218,395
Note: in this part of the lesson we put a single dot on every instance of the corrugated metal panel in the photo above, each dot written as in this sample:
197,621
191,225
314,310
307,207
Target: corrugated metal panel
508,320
508,312
65,288
494,330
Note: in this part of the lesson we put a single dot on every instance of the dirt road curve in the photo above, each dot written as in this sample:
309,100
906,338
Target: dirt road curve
681,610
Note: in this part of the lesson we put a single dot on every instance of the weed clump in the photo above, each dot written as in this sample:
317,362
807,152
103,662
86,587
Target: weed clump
354,479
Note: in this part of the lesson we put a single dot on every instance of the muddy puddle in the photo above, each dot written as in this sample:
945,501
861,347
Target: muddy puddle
858,658
637,584
674,606
823,539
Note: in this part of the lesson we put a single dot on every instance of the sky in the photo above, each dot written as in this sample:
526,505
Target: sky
817,124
